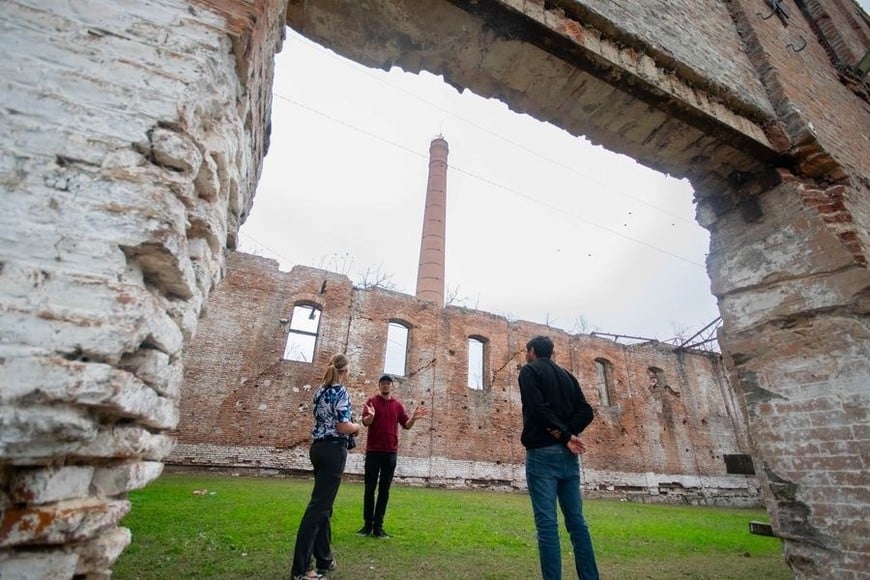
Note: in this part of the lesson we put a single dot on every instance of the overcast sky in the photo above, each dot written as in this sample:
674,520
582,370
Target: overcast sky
541,225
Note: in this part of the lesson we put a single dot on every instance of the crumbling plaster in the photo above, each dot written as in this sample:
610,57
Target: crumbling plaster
134,134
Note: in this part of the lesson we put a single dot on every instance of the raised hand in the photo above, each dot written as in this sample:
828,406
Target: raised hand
419,412
368,411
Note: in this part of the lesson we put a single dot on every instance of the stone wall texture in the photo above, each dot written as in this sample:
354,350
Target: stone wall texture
132,145
243,406
133,134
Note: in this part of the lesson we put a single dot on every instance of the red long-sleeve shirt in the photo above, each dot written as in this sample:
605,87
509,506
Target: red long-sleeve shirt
383,433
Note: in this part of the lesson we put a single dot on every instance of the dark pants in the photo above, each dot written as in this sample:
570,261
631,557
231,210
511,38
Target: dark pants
315,534
380,465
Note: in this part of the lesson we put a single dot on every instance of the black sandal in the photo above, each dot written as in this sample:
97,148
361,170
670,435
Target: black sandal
329,568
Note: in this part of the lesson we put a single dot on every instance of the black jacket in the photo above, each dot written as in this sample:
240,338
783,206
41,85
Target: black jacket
551,398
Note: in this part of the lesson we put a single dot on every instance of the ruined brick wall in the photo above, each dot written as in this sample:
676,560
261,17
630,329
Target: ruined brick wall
791,293
672,29
133,135
244,407
781,181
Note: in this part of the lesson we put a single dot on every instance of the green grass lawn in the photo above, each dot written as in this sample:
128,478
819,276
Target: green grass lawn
244,528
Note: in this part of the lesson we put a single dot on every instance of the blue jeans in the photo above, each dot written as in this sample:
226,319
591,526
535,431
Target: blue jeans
554,472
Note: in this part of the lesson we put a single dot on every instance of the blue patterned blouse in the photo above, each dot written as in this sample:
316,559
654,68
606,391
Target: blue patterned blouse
331,407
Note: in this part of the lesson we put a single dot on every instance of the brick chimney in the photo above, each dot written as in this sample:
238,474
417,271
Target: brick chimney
430,271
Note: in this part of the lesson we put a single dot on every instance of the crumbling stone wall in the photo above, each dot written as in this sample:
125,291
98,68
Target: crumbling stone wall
243,407
114,228
132,140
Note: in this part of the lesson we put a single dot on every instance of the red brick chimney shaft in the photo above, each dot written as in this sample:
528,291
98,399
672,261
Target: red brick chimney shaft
430,271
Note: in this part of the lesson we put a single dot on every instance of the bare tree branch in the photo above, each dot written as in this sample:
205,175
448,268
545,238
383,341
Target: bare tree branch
375,277
452,298
681,332
582,325
335,262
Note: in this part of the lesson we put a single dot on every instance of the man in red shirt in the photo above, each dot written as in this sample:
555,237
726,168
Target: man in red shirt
382,413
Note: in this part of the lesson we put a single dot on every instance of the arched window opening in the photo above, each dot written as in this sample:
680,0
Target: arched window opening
302,338
476,362
604,382
396,358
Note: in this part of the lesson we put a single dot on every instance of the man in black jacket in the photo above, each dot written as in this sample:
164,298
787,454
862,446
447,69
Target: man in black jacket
554,413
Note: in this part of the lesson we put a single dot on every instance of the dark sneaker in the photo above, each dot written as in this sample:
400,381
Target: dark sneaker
330,568
380,533
364,531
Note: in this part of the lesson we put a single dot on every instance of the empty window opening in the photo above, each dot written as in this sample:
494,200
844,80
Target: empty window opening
604,382
739,463
396,358
302,338
476,362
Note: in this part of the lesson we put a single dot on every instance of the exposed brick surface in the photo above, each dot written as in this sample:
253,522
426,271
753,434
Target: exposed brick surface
242,406
134,134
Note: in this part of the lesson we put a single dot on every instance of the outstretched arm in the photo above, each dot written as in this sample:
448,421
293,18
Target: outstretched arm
418,413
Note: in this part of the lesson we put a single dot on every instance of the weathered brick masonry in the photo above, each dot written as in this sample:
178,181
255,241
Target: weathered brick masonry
133,134
132,139
244,407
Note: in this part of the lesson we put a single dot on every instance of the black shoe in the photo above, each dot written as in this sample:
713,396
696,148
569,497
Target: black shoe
364,531
380,533
330,568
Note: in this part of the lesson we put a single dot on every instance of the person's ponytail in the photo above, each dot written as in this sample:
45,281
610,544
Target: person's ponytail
337,364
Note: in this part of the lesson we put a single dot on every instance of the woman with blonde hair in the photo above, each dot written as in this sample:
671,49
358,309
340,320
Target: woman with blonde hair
331,436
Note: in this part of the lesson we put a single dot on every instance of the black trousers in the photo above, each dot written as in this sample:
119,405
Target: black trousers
379,468
314,536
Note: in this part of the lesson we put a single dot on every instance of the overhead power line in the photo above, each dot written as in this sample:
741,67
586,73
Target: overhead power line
473,175
265,247
363,71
